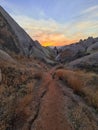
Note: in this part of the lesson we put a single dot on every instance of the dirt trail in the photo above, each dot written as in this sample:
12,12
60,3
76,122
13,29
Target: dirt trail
52,115
56,107
48,107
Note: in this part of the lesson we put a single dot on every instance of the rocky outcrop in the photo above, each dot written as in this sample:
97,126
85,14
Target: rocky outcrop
17,39
6,57
93,48
89,62
71,52
40,52
14,39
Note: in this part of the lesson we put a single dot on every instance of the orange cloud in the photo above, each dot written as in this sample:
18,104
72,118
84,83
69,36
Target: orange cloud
52,39
57,39
52,33
56,43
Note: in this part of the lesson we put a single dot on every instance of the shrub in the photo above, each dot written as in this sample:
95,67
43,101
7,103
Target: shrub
81,83
73,79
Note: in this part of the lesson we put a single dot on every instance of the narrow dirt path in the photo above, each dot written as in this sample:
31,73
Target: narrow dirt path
48,107
55,107
52,114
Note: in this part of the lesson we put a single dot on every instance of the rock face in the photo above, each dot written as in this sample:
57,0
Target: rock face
89,62
6,57
71,52
13,38
93,48
43,53
89,58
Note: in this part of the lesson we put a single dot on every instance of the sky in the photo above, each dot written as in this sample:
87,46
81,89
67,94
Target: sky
55,22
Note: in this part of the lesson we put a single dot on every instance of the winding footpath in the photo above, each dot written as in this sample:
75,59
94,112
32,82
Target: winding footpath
55,107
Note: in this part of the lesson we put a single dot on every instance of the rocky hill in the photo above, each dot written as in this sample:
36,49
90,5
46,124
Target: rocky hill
43,88
80,49
14,39
81,55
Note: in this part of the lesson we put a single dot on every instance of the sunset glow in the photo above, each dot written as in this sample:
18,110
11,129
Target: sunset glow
53,23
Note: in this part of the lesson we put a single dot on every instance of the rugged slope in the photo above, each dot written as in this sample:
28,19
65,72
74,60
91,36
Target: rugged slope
14,39
88,63
77,50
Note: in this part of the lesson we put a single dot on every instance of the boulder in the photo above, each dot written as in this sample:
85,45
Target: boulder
71,52
6,57
93,48
89,62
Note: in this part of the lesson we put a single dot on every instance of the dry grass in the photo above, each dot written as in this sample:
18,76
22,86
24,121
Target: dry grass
91,95
81,83
15,94
22,110
73,79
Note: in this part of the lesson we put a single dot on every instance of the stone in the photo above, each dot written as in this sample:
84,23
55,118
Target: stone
6,57
93,48
16,40
89,62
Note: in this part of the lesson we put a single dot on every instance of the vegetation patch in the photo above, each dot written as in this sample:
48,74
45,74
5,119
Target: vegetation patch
82,83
